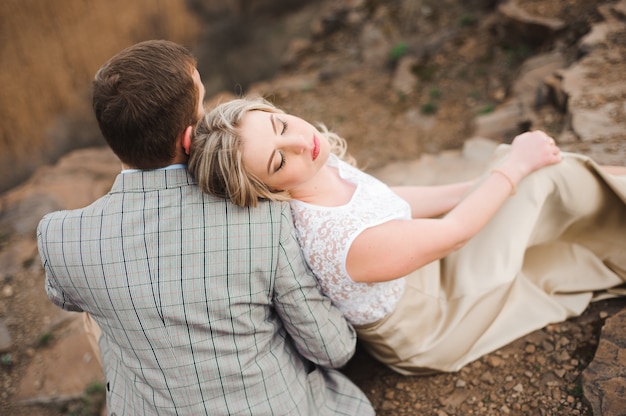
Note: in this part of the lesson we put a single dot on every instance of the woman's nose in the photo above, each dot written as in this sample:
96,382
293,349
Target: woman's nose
294,143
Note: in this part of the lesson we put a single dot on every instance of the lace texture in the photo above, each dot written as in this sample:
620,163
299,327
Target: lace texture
326,234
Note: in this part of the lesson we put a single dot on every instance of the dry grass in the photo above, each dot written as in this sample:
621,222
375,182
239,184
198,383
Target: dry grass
49,52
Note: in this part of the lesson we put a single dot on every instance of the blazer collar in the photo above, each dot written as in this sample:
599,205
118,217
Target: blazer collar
148,180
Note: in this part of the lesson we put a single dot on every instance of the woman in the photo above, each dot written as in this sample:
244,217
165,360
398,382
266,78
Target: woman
431,277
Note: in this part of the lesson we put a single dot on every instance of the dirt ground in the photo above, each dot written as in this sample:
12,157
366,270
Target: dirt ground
464,69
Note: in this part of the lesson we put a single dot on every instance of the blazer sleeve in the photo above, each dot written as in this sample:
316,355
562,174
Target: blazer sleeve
49,243
319,330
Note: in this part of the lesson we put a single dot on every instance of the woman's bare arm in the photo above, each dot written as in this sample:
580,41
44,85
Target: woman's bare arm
433,201
396,248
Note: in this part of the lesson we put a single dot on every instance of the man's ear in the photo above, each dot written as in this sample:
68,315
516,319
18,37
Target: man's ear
186,139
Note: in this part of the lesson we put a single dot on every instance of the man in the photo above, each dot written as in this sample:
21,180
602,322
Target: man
205,308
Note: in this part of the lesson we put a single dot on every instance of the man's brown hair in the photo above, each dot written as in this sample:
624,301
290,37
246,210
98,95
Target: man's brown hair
143,98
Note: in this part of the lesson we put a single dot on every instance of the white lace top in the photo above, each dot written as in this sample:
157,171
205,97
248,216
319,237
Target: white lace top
326,233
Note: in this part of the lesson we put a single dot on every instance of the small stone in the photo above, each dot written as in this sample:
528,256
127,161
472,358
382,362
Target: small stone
6,341
518,388
487,377
530,348
388,405
461,383
494,362
547,346
7,291
603,315
552,328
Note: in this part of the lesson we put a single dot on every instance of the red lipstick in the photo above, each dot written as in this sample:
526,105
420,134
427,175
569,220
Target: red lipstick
316,148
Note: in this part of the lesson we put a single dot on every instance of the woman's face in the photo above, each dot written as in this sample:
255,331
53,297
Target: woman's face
283,151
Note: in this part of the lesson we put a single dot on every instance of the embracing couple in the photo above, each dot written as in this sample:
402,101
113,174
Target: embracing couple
240,252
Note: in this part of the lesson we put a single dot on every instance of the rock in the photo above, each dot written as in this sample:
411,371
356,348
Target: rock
75,181
404,80
6,342
530,87
595,38
375,46
509,120
63,369
330,22
604,380
519,27
18,254
295,50
529,92
22,217
598,111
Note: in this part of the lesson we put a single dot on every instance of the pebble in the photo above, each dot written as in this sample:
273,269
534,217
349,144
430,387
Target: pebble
6,342
7,291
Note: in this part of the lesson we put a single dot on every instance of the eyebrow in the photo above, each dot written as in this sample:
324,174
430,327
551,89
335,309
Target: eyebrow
269,163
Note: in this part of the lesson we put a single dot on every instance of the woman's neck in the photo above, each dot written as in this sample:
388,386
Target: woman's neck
327,189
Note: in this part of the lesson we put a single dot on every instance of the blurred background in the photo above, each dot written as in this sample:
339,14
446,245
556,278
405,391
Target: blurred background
50,51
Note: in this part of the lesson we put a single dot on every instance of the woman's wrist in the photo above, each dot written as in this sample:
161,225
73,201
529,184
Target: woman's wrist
508,179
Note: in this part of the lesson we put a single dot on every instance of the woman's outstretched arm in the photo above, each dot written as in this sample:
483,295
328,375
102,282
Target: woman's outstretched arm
433,201
396,248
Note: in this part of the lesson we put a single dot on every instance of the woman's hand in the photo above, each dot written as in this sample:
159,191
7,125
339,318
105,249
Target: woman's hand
531,151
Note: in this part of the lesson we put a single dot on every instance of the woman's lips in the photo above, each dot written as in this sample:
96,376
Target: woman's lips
316,148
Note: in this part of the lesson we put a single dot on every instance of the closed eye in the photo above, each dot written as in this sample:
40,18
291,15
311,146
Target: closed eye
284,123
282,162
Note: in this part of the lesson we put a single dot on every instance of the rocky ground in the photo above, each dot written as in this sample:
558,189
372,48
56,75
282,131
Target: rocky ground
422,90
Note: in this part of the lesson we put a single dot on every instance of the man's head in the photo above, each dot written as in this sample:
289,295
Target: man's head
145,98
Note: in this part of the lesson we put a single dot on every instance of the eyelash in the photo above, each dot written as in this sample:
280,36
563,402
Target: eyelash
282,162
282,155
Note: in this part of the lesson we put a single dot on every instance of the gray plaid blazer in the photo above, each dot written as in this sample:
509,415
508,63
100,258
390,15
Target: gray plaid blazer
205,308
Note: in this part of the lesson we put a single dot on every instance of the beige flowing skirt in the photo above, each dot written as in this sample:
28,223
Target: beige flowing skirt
545,255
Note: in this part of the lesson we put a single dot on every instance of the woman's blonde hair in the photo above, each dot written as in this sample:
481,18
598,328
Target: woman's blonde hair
216,158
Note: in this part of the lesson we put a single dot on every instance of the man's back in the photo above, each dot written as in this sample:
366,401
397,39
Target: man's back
205,308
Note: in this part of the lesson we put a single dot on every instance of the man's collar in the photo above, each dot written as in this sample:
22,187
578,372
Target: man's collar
175,166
